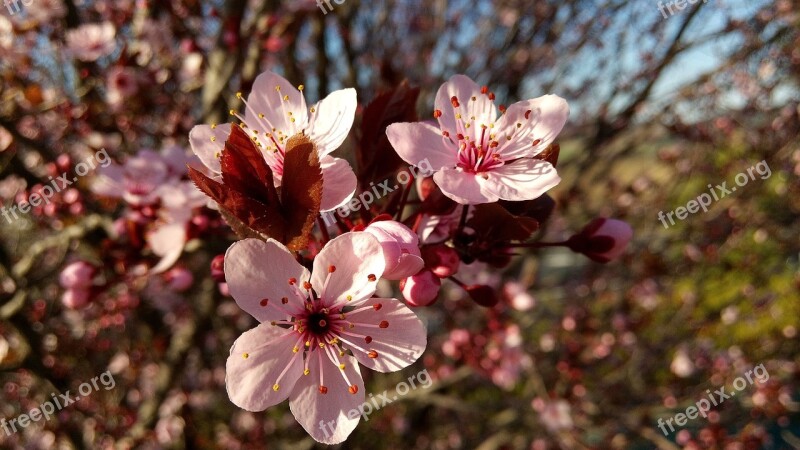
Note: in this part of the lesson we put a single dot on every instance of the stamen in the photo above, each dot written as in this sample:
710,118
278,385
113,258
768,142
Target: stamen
372,354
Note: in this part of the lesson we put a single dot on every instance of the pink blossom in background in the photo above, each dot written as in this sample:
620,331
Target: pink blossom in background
307,320
77,275
90,42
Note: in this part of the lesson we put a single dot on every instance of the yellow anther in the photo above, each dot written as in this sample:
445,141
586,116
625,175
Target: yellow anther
213,139
239,95
341,366
300,88
276,388
295,349
306,372
245,355
213,126
285,98
232,112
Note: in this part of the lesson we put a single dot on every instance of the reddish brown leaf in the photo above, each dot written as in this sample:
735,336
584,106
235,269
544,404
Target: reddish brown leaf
261,218
301,190
376,157
244,168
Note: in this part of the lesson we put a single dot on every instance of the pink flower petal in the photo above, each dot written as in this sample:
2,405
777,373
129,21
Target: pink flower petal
258,271
167,241
524,179
276,105
357,260
332,119
206,149
465,188
464,89
541,120
416,142
258,359
339,183
108,182
398,345
331,417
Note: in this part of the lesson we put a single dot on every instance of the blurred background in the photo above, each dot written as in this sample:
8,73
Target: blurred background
666,98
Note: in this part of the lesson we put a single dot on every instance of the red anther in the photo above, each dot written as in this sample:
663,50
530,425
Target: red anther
307,285
537,142
264,302
371,277
528,114
323,390
384,324
502,108
372,354
460,137
454,101
377,306
353,389
491,96
484,89
331,268
285,300
292,281
368,339
436,114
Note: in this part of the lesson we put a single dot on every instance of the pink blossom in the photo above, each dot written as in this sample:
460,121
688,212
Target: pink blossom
75,298
275,111
400,248
77,275
421,289
307,322
121,84
478,157
92,41
135,181
554,414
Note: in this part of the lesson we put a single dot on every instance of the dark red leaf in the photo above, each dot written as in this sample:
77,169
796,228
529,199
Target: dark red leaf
376,157
301,190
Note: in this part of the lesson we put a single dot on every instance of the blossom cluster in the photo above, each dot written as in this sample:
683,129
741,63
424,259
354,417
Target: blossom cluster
271,175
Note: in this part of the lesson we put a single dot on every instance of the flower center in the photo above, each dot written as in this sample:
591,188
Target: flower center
318,323
477,158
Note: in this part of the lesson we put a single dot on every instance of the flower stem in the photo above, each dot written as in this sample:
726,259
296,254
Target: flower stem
404,198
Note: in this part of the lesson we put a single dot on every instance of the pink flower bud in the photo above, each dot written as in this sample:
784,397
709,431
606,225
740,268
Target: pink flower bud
77,275
421,289
602,239
442,260
218,268
400,248
75,298
179,279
